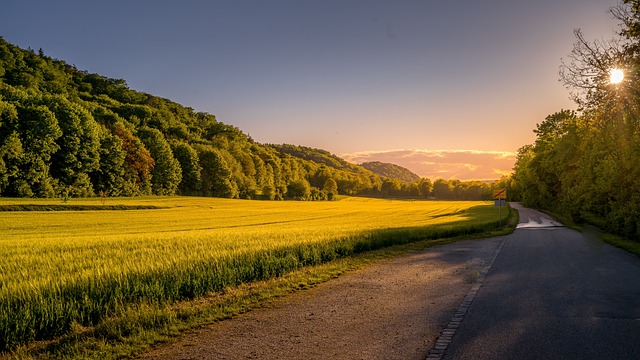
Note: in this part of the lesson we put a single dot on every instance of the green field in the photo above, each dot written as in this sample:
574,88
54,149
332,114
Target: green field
67,268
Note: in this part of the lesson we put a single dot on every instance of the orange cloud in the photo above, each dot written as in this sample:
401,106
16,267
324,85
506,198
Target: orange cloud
446,164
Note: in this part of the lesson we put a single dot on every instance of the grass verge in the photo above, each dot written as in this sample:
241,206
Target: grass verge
622,243
595,226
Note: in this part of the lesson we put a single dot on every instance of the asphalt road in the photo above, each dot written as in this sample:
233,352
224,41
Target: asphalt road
553,293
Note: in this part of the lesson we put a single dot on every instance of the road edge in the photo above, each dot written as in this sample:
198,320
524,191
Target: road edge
443,341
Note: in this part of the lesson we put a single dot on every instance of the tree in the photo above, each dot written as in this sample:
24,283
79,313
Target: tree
425,187
166,173
10,145
586,73
442,189
38,130
78,147
330,188
215,175
391,187
11,153
138,162
299,189
187,156
109,177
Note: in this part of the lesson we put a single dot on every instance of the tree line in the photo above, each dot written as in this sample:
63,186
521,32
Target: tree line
586,163
65,133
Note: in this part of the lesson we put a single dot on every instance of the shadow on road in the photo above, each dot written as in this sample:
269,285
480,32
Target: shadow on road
554,294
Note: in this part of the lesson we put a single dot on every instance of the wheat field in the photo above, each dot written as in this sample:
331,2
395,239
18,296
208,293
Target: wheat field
60,268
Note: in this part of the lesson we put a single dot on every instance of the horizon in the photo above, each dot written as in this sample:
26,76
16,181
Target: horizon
367,81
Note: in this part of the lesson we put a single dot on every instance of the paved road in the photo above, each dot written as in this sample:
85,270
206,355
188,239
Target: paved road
553,293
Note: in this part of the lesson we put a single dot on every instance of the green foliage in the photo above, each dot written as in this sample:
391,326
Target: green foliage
215,175
166,173
187,156
586,165
425,188
109,177
299,189
391,187
330,188
138,163
65,132
37,131
78,147
391,171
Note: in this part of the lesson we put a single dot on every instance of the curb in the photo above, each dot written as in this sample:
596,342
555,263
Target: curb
438,350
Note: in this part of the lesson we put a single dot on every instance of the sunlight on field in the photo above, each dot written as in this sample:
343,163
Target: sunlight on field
60,240
63,263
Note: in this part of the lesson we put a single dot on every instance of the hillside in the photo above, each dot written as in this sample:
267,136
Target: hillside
391,171
66,132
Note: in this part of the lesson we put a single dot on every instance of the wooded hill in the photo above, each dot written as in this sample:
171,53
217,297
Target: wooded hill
65,132
391,171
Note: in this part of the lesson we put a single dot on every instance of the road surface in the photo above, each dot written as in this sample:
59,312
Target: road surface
553,293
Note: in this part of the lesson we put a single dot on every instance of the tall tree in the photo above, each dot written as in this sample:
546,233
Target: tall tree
38,131
166,173
109,177
330,188
187,156
78,147
138,162
215,175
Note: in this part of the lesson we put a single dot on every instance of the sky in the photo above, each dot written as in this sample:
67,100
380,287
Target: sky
448,89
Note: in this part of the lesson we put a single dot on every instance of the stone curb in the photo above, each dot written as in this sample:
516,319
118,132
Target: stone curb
438,350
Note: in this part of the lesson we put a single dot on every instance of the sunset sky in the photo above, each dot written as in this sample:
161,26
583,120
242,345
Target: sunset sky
447,89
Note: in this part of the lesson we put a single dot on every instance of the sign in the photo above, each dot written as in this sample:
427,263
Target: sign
500,194
501,202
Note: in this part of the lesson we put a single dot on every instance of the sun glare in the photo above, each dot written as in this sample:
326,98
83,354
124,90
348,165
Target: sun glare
616,76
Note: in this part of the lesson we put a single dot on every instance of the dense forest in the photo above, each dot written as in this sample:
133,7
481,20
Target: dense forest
586,164
66,133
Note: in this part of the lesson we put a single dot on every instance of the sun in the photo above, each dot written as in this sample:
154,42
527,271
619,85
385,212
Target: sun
616,76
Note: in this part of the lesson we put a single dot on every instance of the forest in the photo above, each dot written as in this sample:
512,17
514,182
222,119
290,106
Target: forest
586,163
67,133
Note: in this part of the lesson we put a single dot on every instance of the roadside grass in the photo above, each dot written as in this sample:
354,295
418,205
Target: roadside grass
631,246
564,220
596,226
131,324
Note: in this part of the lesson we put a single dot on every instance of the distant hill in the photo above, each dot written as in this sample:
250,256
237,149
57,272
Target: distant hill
319,156
391,171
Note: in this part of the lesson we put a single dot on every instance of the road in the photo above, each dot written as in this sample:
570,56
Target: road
543,292
553,293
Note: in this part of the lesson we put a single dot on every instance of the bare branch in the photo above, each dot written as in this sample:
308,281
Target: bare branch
586,72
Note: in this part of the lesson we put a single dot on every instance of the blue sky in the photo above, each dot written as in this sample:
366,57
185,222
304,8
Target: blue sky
362,79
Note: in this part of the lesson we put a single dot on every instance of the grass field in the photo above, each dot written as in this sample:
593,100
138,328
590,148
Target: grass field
67,268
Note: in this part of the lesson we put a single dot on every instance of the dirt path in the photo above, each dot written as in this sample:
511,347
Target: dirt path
394,309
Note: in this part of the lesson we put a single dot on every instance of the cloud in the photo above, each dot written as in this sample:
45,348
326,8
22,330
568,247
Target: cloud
446,164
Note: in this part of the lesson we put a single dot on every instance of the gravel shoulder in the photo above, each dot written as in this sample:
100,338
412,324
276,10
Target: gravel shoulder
393,309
